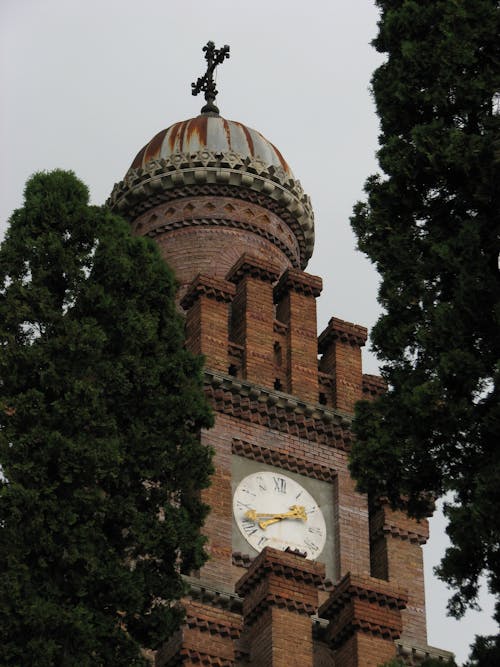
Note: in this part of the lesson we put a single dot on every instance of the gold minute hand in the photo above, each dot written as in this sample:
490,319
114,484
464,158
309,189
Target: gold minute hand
296,512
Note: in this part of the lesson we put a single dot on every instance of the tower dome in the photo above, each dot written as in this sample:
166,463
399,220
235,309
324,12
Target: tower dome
209,189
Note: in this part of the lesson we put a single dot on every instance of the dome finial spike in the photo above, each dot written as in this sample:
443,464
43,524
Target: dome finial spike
206,82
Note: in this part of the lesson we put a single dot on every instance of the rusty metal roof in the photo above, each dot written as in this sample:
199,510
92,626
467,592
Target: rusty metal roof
213,133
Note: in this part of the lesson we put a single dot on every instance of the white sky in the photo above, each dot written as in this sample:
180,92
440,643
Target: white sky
85,84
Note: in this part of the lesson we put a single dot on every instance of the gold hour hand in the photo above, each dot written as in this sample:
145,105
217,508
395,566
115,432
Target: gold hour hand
296,512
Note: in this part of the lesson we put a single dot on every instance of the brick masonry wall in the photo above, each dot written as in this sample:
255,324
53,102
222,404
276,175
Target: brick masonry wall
351,508
397,556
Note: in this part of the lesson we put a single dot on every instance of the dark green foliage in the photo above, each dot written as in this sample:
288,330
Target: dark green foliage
100,408
428,662
431,226
486,652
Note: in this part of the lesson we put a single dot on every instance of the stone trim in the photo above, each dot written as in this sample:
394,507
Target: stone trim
213,596
297,281
283,460
163,227
213,288
145,187
414,654
247,265
345,332
276,410
373,385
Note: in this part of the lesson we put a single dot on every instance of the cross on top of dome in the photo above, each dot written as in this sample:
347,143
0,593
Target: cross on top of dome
206,82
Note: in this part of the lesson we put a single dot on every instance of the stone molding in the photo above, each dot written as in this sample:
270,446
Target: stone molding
213,288
248,265
283,460
345,332
145,187
211,595
413,654
276,410
297,281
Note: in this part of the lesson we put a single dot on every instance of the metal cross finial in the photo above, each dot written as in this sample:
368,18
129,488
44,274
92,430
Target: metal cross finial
206,82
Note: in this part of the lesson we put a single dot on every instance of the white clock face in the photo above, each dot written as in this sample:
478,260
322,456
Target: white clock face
273,510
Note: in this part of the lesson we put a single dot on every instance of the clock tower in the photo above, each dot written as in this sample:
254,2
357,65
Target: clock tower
303,571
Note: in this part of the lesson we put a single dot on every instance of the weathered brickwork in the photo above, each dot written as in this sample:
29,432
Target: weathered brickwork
238,234
397,556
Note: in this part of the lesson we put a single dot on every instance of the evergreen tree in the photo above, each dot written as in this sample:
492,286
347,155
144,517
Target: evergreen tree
100,410
431,226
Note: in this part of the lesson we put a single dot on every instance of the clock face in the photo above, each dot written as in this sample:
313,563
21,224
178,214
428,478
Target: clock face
273,510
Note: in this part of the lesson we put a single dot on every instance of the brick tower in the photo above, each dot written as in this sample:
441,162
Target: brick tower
303,570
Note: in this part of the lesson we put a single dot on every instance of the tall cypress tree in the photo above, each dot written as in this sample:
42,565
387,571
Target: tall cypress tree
100,410
431,226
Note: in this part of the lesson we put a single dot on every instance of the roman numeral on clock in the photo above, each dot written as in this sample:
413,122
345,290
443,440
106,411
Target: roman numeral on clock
249,527
279,484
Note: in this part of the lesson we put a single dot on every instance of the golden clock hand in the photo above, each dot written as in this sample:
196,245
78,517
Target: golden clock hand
296,512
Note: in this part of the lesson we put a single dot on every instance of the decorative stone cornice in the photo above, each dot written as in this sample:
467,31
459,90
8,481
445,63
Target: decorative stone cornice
213,288
283,460
339,330
277,410
248,265
414,654
211,595
363,588
170,178
386,522
297,281
288,565
279,579
161,227
395,531
363,604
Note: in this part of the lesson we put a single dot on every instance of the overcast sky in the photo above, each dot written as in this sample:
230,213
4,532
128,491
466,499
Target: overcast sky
86,83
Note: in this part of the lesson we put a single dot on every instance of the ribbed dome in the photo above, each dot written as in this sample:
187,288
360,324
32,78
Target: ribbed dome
215,134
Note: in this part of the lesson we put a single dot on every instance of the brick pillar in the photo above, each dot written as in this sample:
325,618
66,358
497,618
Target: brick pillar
295,296
252,321
207,637
207,320
280,594
351,524
396,545
364,620
340,344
